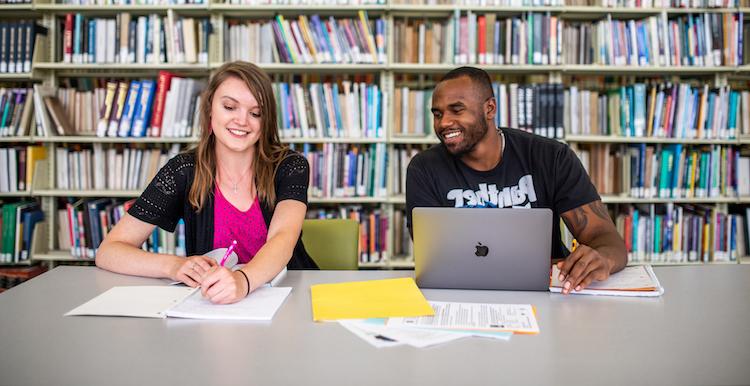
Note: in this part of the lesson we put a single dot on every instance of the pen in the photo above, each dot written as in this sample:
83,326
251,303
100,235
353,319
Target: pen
229,251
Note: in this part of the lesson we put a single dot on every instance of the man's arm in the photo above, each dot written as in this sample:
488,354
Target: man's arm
601,250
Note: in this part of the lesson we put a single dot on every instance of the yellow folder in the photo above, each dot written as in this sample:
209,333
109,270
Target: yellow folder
369,299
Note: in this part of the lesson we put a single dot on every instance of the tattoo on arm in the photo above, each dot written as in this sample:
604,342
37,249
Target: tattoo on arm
600,210
579,219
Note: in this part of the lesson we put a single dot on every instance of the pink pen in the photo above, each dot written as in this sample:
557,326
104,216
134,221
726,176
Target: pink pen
229,251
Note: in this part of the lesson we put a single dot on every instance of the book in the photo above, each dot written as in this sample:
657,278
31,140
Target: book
62,123
637,281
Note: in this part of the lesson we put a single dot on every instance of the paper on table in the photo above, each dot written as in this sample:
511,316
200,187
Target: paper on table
517,318
418,338
637,280
368,299
262,304
136,301
372,337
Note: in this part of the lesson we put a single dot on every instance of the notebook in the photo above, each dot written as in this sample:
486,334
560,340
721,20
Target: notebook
181,302
637,280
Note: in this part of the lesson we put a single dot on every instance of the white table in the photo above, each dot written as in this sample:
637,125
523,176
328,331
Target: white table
698,333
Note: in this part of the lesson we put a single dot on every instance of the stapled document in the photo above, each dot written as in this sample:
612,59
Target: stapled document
637,280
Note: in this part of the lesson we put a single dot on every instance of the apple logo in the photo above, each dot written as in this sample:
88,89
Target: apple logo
482,250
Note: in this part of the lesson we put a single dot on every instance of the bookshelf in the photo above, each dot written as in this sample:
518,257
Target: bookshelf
388,75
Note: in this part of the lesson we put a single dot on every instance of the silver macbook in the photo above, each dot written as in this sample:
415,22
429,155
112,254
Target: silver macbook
482,248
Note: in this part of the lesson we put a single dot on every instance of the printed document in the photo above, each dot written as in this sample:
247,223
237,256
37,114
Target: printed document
636,280
516,318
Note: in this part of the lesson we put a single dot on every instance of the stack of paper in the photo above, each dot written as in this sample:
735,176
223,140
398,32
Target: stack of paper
637,280
393,312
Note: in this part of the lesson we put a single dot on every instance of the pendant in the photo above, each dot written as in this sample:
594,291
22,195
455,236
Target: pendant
235,188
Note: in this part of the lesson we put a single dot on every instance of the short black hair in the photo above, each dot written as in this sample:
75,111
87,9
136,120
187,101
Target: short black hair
478,76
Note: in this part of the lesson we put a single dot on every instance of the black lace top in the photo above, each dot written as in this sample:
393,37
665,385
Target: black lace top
165,201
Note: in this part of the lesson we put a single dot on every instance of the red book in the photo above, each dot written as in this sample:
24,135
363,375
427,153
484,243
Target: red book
482,44
68,39
162,86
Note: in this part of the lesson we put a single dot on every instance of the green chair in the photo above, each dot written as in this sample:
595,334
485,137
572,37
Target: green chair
332,244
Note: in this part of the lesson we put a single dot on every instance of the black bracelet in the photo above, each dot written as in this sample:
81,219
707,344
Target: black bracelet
247,280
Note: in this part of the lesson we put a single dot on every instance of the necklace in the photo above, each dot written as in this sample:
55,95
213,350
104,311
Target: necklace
235,183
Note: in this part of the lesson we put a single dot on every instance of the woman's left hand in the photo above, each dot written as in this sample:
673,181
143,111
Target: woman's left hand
222,286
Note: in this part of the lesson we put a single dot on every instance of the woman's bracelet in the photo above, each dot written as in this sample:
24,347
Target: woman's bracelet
246,280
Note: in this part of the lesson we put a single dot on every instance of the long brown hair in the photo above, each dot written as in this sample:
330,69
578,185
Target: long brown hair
268,150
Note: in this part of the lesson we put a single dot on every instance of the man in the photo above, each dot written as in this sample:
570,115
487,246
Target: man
478,165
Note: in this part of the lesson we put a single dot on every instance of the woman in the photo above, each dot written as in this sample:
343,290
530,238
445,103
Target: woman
240,184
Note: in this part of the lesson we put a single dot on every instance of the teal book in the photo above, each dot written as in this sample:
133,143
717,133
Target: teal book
639,109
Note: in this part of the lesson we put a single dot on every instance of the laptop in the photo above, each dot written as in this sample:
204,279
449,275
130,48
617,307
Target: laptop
483,248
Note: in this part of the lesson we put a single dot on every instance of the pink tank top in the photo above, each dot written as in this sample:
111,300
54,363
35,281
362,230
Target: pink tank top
248,228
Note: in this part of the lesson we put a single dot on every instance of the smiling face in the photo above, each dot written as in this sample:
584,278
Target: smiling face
458,112
235,116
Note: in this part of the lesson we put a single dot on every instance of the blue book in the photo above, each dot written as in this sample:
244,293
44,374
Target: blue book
690,27
676,171
636,219
92,42
733,235
320,94
351,182
641,40
639,109
641,168
77,32
376,113
732,117
284,91
699,25
131,103
337,109
323,39
142,114
710,116
30,219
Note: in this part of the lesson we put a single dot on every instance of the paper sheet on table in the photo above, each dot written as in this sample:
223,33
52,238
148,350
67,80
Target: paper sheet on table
368,299
261,304
637,280
370,336
418,338
135,301
516,318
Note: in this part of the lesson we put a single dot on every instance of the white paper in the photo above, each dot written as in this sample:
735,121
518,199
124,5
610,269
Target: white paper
136,301
372,337
418,338
261,304
517,318
623,283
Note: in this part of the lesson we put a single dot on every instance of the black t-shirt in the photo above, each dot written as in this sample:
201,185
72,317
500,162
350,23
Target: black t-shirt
165,201
535,172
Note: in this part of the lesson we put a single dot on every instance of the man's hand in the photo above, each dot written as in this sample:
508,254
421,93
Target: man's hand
582,267
601,250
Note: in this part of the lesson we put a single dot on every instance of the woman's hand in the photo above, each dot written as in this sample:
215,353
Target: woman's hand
192,270
222,286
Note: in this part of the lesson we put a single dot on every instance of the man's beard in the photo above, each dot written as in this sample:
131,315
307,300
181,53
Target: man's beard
472,137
